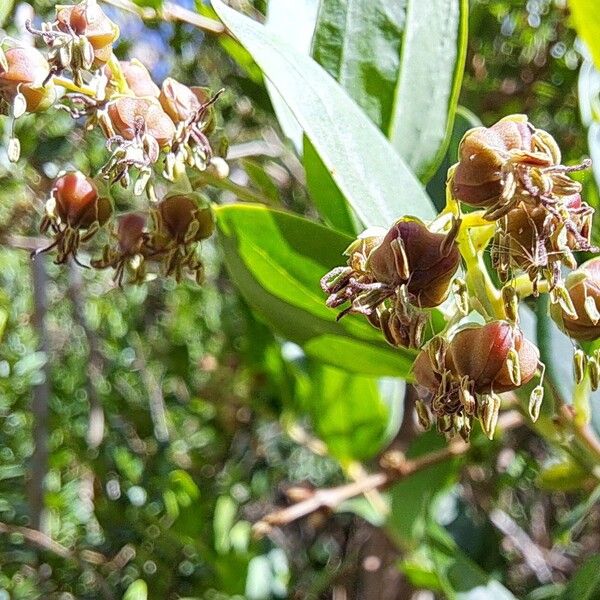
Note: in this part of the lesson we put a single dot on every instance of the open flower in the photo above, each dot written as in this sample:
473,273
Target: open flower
137,129
74,213
131,249
390,278
534,240
582,320
460,379
508,163
23,72
181,221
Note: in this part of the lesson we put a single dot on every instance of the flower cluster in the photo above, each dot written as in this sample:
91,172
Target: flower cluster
154,135
508,195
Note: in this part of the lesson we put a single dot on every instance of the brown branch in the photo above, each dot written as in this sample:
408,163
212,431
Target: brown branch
169,12
40,400
396,467
44,542
95,432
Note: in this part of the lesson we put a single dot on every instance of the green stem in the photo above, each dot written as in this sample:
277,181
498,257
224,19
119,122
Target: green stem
241,192
472,242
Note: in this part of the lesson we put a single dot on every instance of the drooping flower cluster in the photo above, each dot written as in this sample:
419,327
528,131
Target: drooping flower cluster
392,277
460,378
525,208
154,134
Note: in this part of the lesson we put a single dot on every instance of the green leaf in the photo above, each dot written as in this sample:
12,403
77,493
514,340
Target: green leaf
358,42
586,18
348,411
585,584
277,259
5,10
138,590
412,496
403,63
462,578
296,20
565,476
325,194
373,178
433,59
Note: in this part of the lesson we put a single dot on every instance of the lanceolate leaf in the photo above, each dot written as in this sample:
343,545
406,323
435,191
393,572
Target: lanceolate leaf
325,194
403,63
433,57
277,259
359,43
586,18
296,19
372,177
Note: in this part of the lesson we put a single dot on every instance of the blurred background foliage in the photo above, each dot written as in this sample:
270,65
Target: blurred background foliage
143,430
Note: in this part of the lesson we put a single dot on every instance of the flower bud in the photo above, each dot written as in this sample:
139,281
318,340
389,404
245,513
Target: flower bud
139,80
132,117
77,201
24,72
186,217
130,233
583,289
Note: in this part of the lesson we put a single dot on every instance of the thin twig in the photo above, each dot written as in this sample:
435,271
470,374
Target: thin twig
397,467
40,396
44,542
169,12
95,432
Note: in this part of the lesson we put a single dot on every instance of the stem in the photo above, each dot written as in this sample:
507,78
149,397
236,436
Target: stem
71,86
169,12
397,467
472,242
242,193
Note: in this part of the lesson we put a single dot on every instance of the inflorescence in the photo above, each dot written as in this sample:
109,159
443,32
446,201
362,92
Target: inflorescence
508,195
153,136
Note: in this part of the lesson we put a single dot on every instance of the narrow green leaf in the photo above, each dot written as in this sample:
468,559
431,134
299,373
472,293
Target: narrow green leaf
373,178
358,42
325,194
585,584
348,411
276,260
6,8
433,58
586,18
295,19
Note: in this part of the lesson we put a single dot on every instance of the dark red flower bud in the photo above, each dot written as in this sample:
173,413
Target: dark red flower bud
424,261
186,217
582,322
77,201
130,233
495,357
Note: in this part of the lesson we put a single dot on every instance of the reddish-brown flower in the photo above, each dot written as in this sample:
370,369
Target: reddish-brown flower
583,288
